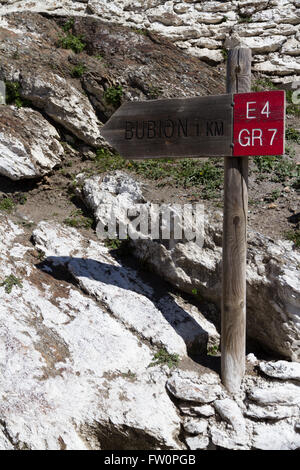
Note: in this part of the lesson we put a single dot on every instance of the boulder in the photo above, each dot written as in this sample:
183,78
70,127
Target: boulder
29,145
63,103
67,382
273,280
196,388
282,370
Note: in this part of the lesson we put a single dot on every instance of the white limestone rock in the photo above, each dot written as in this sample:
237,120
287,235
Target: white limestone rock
260,45
225,439
271,412
116,193
195,426
291,47
64,103
248,7
197,442
29,145
231,413
275,437
279,65
272,267
286,14
200,389
65,380
282,370
286,394
208,55
204,410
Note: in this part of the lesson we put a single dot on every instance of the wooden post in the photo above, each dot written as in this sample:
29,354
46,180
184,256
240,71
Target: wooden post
233,335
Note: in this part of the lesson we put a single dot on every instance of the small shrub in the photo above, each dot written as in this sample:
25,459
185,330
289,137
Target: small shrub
213,350
75,43
9,282
113,95
294,236
154,92
293,135
143,32
113,243
162,357
78,220
6,204
78,71
68,25
13,95
224,54
263,84
291,108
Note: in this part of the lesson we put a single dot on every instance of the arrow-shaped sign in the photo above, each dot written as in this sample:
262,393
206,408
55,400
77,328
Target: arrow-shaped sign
172,128
211,126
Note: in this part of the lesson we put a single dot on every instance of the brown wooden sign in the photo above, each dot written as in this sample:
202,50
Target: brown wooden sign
173,128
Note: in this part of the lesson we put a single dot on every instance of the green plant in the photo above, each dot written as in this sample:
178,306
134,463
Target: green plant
154,92
224,53
245,19
293,135
68,25
162,357
275,194
9,282
212,350
113,95
21,198
129,375
6,204
78,220
75,43
13,95
41,255
278,166
143,32
112,243
291,108
78,71
294,236
263,84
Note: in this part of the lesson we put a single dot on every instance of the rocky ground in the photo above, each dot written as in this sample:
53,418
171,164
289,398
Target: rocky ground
96,351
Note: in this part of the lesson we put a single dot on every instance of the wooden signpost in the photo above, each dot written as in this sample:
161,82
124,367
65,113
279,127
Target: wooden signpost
235,125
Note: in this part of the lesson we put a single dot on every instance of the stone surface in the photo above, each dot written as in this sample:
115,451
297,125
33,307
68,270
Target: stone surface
271,412
281,370
66,382
63,103
276,395
182,21
230,412
275,437
226,440
195,426
197,442
29,145
199,389
122,291
273,278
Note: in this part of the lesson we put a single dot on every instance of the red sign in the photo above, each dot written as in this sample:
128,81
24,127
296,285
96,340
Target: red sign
259,122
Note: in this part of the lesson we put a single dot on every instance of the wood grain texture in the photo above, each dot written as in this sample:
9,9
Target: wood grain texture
233,335
173,128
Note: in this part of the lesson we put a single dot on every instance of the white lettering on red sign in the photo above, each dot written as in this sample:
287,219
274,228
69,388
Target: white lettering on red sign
259,123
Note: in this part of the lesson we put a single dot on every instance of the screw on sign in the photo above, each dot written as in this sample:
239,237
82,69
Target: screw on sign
258,123
234,126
